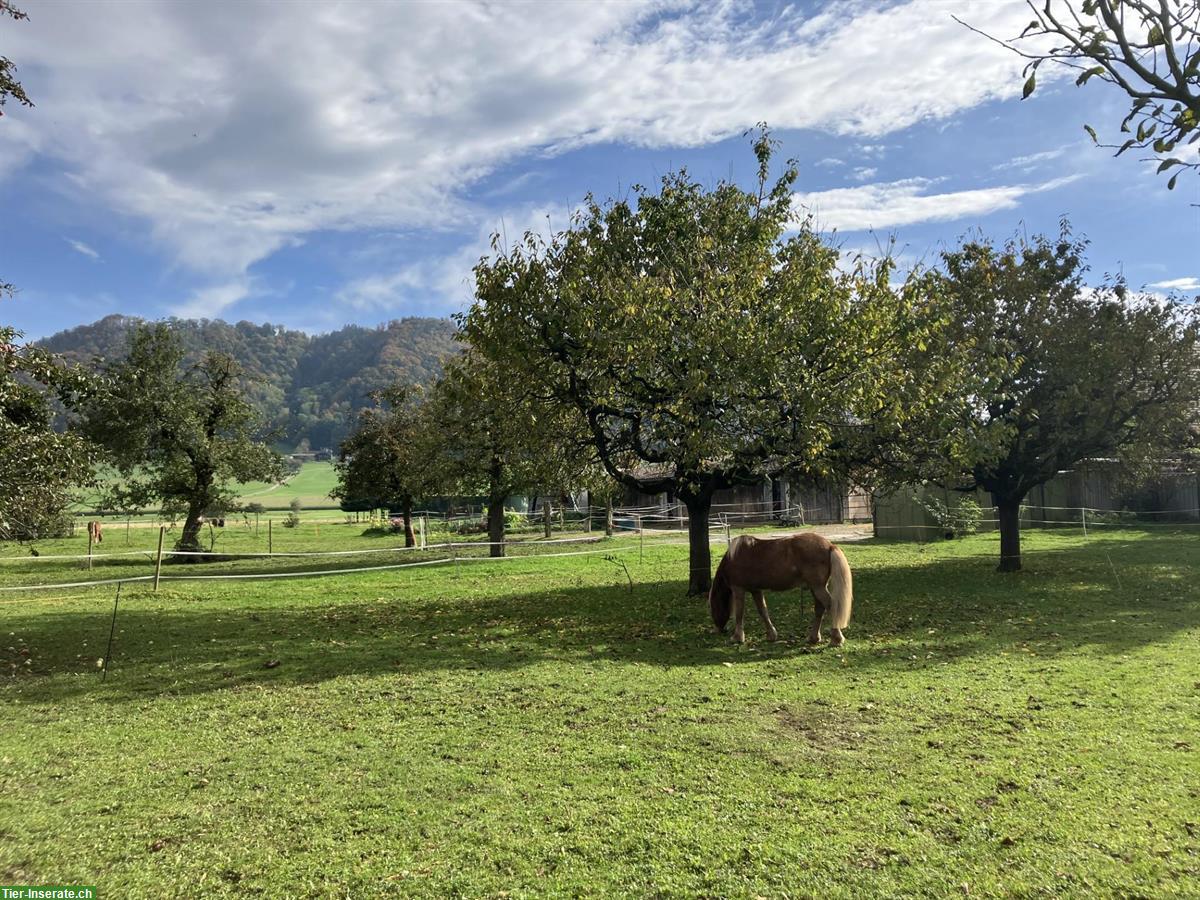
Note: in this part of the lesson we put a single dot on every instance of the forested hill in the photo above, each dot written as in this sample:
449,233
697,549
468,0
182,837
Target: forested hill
306,386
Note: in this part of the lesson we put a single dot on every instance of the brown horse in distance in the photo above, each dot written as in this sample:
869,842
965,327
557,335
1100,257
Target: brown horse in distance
757,564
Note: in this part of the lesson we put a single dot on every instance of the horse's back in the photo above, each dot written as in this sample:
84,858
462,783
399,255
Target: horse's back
779,563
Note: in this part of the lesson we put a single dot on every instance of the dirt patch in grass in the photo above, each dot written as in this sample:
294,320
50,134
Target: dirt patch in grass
827,728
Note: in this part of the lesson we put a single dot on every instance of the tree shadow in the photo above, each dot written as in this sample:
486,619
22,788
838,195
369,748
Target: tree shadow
176,644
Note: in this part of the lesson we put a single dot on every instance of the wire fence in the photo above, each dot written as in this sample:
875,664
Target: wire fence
658,525
1038,516
448,553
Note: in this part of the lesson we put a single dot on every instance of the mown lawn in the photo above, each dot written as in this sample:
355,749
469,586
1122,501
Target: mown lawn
531,728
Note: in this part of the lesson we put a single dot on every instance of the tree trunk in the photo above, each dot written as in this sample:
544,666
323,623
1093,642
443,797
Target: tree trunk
189,540
496,499
699,553
1010,533
608,517
546,517
409,538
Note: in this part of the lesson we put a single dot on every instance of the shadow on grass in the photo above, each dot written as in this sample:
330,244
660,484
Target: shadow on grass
1066,599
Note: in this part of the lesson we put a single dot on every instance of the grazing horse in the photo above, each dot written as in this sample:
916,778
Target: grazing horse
775,564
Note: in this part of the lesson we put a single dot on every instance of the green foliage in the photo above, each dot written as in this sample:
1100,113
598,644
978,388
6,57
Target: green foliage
1085,374
707,339
304,388
956,521
494,432
296,506
177,434
385,462
10,88
1149,49
39,467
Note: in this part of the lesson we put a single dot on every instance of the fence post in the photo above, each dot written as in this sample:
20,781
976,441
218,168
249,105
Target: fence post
641,537
546,518
270,539
424,530
91,535
728,539
162,530
1083,518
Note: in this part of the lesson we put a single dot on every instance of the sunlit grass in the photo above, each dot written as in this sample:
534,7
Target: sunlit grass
531,727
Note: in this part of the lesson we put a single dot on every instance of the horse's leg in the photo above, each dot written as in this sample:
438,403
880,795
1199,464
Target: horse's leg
814,630
739,610
760,600
822,595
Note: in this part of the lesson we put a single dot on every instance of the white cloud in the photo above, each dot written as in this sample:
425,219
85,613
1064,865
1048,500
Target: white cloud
232,135
435,284
907,202
81,247
1032,160
210,302
864,173
1190,283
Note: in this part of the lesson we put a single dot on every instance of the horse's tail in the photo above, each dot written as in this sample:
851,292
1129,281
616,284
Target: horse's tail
720,596
841,588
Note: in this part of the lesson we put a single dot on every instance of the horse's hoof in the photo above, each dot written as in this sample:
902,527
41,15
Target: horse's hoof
738,639
773,636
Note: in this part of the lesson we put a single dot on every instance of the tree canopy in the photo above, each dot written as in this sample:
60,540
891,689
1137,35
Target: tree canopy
388,460
709,339
496,435
1089,373
178,434
39,467
10,88
305,387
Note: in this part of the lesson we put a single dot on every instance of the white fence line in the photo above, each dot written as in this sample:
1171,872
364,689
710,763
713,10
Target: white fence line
239,554
230,576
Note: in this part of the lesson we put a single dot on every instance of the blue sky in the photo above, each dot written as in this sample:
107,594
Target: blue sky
322,164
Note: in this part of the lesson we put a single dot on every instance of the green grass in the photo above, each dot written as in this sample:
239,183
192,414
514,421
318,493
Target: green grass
530,728
311,485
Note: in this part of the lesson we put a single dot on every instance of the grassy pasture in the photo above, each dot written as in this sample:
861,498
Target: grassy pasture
311,484
530,728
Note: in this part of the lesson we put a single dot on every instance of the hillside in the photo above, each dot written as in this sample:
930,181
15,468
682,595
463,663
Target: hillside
307,387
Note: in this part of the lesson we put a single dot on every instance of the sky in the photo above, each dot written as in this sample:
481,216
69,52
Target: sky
316,164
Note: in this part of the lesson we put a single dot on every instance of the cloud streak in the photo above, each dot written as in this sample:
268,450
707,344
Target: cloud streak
909,202
81,247
1190,283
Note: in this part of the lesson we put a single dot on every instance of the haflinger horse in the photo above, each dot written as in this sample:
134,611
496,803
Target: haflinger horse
757,564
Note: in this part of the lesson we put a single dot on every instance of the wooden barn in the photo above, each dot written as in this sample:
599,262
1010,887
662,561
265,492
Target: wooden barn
772,500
